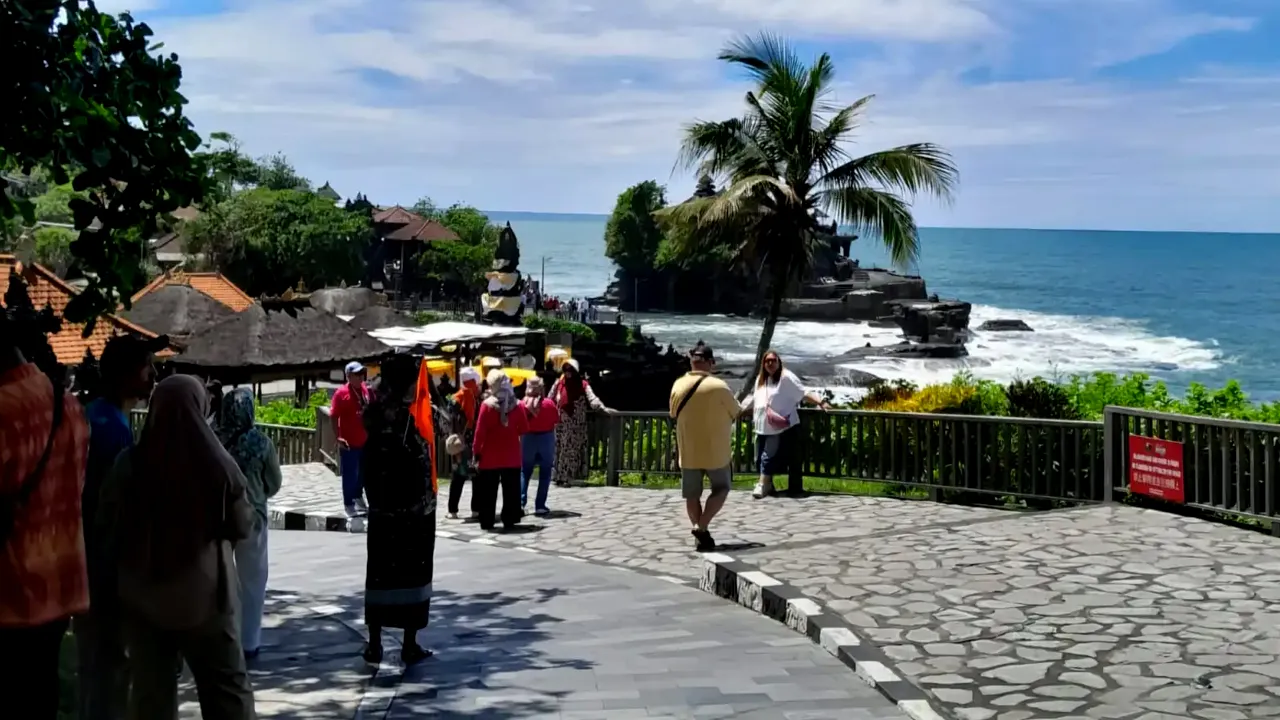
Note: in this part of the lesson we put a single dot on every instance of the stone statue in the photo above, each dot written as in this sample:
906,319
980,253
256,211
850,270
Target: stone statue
504,301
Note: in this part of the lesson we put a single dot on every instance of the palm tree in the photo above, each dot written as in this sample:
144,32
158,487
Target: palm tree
784,161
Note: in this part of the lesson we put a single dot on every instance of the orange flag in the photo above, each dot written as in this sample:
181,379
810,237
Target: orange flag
421,411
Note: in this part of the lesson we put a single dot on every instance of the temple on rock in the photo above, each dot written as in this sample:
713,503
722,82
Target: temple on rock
504,301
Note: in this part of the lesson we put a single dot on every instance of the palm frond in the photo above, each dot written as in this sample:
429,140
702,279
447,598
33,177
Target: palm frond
830,136
768,59
879,213
911,169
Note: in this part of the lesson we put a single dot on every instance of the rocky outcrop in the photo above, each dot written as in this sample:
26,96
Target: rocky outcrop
932,320
907,350
1005,325
866,296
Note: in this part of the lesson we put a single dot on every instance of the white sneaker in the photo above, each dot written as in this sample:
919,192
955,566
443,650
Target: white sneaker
762,490
361,507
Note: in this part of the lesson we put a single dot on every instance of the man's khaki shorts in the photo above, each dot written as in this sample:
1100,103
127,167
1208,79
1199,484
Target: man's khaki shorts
720,479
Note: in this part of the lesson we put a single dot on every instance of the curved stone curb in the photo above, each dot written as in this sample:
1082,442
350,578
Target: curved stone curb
731,579
287,519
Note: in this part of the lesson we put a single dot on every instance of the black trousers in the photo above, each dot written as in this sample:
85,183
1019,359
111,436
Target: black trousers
485,492
455,491
29,667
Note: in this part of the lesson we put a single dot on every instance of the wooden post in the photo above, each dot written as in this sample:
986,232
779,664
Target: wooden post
614,460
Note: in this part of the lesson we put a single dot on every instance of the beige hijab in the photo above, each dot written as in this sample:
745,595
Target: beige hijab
175,501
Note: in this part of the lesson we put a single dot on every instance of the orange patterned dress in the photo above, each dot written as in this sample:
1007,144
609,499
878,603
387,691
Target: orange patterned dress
42,564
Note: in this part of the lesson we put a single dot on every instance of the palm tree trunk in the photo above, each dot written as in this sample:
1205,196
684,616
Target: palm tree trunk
766,337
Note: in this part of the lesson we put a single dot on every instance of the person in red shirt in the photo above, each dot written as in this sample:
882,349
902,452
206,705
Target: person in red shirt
501,422
44,442
538,447
345,411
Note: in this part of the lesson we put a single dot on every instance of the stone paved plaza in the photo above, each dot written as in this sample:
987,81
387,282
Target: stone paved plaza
1098,612
521,636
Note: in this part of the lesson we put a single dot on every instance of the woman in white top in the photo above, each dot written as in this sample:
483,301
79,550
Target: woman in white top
775,406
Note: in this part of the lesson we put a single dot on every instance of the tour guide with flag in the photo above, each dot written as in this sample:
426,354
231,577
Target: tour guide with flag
398,467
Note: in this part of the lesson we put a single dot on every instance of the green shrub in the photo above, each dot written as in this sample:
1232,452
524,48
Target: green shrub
1039,398
556,325
283,412
426,317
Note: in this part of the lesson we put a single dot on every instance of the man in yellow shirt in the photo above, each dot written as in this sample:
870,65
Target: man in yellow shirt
704,410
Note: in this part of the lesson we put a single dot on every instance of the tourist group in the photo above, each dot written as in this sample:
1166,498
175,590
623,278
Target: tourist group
153,553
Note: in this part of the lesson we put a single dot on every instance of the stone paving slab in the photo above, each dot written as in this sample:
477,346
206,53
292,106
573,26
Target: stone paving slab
520,635
1103,612
648,529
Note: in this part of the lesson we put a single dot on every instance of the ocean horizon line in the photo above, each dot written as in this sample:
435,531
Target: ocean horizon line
585,217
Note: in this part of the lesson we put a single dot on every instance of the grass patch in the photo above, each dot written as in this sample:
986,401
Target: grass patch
747,481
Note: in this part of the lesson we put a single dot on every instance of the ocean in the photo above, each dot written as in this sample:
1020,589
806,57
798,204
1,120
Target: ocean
1182,307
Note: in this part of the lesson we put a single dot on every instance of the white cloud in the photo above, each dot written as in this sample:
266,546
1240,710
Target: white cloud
556,105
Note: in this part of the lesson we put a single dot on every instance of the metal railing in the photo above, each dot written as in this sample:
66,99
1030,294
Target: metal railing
1021,457
1228,466
294,445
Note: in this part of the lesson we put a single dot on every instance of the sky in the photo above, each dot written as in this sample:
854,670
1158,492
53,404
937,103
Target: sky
1097,114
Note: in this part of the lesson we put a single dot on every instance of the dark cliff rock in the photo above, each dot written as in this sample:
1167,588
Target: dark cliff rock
928,320
1006,325
908,350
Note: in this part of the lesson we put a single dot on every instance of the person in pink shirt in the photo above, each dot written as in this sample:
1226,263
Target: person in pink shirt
501,422
345,411
538,446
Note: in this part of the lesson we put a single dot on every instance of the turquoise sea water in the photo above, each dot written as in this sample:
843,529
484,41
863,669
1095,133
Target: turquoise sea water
1182,306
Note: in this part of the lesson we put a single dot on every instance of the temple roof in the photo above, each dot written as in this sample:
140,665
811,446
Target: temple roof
327,192
46,289
213,284
263,340
178,311
400,225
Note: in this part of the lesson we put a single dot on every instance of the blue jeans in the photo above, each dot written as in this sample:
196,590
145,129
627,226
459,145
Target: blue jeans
352,482
537,449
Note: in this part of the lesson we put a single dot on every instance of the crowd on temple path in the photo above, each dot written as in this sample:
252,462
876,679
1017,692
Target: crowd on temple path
575,309
154,553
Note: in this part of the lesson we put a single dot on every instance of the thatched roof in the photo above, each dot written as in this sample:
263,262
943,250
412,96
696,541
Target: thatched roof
344,301
381,316
178,311
258,340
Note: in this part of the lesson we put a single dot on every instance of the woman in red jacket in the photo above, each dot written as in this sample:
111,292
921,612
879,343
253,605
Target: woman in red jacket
501,422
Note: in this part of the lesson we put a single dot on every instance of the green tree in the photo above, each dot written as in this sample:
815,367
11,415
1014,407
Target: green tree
785,159
228,168
275,172
53,247
268,240
632,234
86,95
458,265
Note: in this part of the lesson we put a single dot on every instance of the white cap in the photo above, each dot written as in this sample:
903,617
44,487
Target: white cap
354,367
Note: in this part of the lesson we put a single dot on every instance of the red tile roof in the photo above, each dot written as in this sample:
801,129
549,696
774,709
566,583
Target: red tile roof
46,288
213,284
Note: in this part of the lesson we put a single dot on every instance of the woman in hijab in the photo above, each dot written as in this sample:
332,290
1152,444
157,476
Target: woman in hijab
497,452
170,511
573,395
464,410
396,466
256,457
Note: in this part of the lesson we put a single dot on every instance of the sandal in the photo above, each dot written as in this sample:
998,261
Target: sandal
414,654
